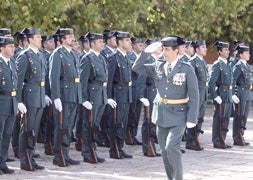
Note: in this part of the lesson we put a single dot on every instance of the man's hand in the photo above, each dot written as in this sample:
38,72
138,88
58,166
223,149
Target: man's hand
145,101
87,105
112,103
58,104
22,108
218,99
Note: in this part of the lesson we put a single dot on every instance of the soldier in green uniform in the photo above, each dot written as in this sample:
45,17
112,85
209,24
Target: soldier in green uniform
31,71
94,77
242,94
220,88
175,103
119,87
85,45
136,105
65,87
46,125
147,90
199,64
103,138
233,59
8,88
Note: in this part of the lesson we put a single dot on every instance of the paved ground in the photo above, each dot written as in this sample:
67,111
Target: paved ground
235,163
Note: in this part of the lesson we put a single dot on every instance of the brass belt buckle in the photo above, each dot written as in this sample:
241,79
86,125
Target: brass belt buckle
104,84
206,83
230,87
13,93
42,83
130,83
77,80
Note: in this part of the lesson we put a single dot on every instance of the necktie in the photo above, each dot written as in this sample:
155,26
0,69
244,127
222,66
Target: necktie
169,68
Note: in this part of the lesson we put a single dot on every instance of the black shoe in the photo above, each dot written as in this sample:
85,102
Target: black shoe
36,155
247,143
73,139
55,162
182,150
26,169
16,155
38,167
87,160
194,148
6,170
113,156
9,160
136,142
72,161
100,160
157,154
146,154
1,172
125,155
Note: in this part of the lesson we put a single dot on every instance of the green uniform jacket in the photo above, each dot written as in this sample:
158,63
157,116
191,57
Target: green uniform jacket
181,83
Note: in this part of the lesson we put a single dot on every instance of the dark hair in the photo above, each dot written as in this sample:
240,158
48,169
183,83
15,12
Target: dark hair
29,36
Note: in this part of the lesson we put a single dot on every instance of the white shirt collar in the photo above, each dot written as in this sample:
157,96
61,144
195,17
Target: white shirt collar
243,61
224,60
124,54
97,53
155,57
66,48
4,58
173,64
35,51
110,48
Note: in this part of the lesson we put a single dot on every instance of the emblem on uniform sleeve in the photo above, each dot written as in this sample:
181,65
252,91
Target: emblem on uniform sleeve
179,79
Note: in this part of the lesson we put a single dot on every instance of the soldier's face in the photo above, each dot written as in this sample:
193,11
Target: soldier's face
49,45
35,41
181,49
126,44
224,53
69,40
98,45
190,50
245,56
169,54
8,50
112,42
201,50
25,43
138,47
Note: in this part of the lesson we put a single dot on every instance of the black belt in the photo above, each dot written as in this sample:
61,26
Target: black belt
8,93
226,87
38,83
75,80
121,83
203,83
100,83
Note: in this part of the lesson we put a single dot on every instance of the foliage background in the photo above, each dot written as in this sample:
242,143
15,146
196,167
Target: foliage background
225,20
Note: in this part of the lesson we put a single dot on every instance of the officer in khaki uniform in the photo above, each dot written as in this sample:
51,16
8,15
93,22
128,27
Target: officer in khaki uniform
175,103
31,71
220,88
242,94
8,101
65,87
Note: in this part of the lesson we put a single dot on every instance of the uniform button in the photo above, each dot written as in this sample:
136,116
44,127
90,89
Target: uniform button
68,64
166,88
30,90
165,95
66,86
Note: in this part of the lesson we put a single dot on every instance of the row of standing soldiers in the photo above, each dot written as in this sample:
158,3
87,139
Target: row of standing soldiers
81,84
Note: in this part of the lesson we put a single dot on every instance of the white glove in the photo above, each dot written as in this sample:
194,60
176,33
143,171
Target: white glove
87,105
22,108
58,104
48,100
112,103
190,125
235,99
145,101
153,47
218,99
